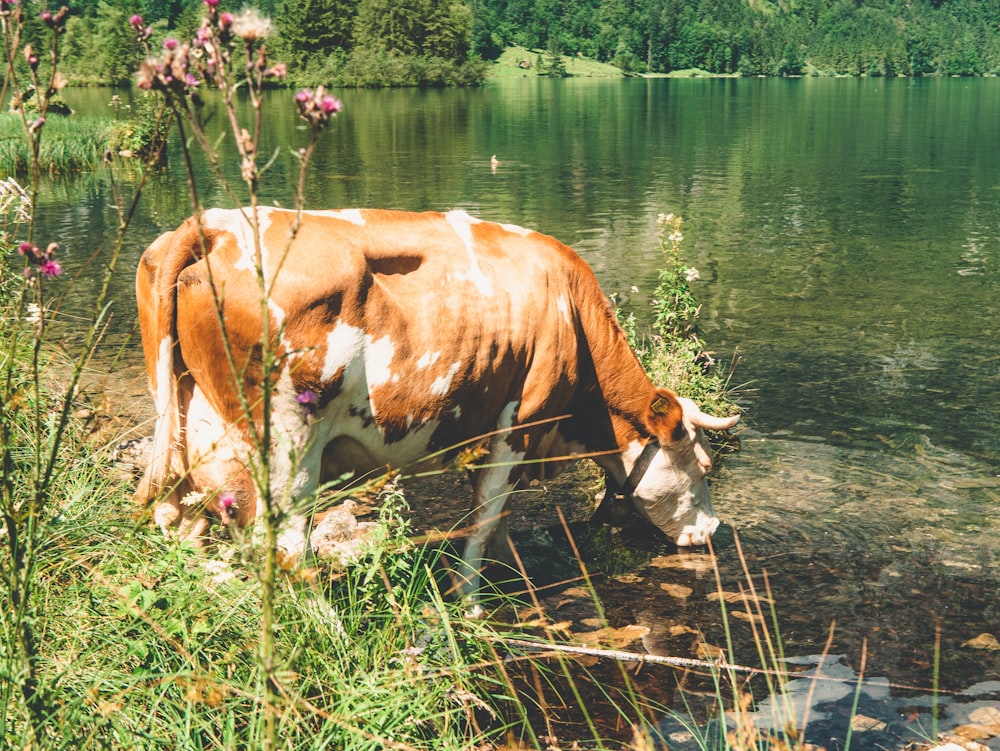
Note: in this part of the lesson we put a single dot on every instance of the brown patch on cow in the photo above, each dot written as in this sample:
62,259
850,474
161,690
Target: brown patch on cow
399,264
665,417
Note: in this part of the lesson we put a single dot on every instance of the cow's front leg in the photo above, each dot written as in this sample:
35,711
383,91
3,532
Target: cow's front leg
493,483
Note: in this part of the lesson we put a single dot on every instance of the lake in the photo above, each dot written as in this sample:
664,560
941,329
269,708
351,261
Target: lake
847,233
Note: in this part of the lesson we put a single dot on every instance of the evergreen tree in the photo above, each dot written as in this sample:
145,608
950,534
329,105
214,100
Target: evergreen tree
315,28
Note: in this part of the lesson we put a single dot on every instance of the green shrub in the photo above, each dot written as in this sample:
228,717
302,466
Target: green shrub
671,351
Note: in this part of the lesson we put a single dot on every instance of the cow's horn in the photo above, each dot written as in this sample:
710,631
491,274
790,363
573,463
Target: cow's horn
710,422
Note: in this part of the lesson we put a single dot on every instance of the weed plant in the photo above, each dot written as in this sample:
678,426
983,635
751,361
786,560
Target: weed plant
671,350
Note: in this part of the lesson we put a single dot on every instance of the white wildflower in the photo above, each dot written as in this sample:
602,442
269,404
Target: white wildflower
34,313
194,498
221,572
692,274
676,237
251,26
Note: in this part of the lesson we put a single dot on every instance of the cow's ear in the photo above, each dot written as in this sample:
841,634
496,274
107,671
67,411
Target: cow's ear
665,417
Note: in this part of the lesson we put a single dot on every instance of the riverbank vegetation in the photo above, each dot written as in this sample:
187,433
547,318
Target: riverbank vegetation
439,42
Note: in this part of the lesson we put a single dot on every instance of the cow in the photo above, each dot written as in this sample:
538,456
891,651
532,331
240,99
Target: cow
398,339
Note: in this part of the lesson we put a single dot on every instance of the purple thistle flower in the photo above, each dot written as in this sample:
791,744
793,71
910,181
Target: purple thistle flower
303,95
135,20
227,504
27,249
330,105
212,3
50,268
170,43
309,402
226,19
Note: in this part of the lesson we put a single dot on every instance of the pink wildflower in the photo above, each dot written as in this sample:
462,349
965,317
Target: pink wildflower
50,268
135,20
227,505
330,105
309,402
170,43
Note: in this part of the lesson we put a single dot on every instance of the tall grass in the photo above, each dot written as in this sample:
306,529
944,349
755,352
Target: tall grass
149,644
71,144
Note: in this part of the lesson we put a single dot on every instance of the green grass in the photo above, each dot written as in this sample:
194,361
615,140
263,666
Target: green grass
669,348
146,643
70,144
508,65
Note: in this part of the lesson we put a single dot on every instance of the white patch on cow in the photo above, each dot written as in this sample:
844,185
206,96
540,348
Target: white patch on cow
164,375
462,224
517,230
428,359
165,435
673,493
363,360
211,440
276,312
344,346
237,222
378,358
442,384
563,305
296,459
353,216
493,488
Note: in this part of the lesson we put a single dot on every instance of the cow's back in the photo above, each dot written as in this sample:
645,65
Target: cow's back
395,320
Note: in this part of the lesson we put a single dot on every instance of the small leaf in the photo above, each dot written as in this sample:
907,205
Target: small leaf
614,637
678,591
983,641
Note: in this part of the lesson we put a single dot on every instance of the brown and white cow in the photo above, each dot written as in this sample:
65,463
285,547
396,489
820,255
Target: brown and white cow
416,333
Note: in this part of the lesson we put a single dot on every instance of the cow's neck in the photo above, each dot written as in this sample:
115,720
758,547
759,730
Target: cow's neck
622,385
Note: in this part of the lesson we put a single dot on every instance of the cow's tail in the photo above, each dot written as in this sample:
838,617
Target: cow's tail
156,297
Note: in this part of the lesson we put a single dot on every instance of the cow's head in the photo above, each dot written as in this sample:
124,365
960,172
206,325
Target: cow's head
668,483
